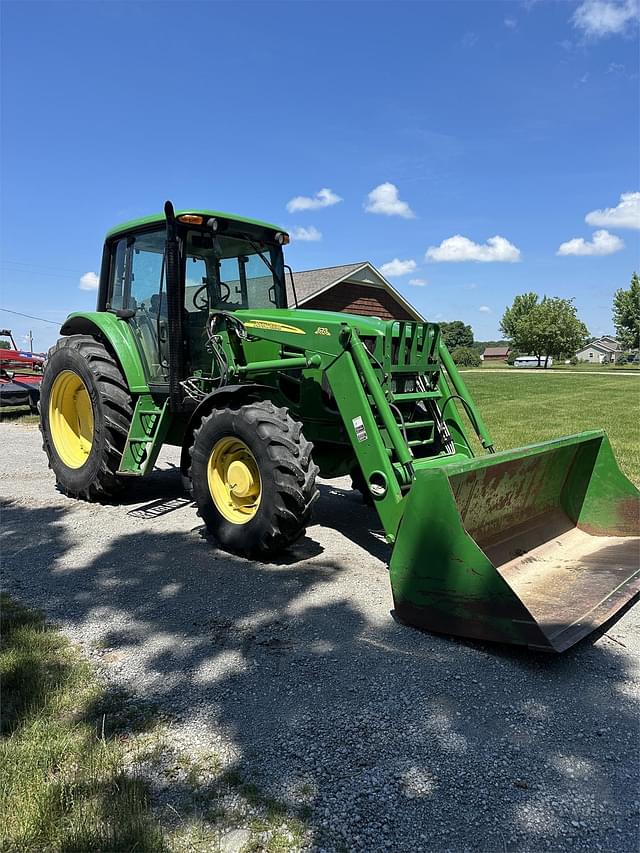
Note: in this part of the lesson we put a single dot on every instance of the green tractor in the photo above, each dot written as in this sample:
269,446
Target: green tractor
197,342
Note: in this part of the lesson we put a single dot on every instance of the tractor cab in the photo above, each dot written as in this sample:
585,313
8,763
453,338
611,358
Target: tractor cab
223,264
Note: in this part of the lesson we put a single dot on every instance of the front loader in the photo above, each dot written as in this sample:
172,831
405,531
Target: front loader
197,341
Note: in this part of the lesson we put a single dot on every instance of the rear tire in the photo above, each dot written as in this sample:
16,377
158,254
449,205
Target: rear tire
85,415
253,478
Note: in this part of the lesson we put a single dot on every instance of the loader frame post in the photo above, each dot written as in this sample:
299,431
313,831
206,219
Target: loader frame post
366,440
361,359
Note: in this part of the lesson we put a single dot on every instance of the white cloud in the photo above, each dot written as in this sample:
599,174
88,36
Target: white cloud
625,215
484,309
599,18
603,243
385,199
398,267
510,23
471,286
418,282
307,235
323,198
459,248
89,281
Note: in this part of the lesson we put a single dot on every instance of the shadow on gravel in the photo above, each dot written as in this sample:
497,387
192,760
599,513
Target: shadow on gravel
397,739
367,532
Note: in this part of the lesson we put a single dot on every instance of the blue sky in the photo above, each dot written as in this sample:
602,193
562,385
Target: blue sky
469,120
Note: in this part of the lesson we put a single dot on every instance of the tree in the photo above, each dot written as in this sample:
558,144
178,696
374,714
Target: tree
543,328
466,357
456,334
5,344
552,328
522,305
626,314
513,321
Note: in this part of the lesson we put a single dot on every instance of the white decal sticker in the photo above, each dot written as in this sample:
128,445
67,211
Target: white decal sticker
358,425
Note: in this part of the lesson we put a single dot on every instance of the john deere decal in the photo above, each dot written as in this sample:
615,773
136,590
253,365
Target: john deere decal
270,326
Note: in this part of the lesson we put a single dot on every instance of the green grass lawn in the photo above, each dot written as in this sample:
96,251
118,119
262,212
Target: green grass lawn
523,408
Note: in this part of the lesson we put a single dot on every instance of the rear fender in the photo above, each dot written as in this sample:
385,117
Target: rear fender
119,337
236,395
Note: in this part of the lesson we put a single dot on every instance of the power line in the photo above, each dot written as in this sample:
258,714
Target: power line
40,267
30,316
38,273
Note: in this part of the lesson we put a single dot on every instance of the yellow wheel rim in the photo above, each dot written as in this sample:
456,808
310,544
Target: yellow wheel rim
234,480
71,419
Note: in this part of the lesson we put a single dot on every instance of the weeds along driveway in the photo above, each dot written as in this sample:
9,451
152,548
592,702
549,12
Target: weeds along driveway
296,675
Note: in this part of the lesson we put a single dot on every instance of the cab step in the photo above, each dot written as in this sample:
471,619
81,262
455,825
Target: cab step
146,436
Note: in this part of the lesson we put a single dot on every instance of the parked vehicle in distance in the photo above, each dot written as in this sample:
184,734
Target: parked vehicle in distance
533,361
20,376
22,390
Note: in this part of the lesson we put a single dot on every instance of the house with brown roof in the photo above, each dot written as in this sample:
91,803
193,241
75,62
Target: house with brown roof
350,289
495,353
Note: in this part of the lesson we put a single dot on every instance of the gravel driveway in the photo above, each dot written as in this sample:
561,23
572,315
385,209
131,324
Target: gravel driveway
298,677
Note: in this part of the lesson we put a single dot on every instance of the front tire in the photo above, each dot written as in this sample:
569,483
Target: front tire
85,415
253,478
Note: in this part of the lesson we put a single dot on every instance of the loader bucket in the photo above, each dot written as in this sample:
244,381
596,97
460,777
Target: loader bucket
536,547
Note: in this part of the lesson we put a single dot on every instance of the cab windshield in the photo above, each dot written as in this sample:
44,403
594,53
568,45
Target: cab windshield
227,273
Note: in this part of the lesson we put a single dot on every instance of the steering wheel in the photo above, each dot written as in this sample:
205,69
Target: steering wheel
202,304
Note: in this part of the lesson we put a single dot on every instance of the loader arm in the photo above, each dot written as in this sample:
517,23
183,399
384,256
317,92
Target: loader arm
378,383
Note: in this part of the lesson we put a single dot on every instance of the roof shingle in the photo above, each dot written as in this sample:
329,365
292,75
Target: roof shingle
310,282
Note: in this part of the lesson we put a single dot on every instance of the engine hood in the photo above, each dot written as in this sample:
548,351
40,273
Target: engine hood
363,325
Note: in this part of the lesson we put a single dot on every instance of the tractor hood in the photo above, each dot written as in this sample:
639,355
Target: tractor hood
363,325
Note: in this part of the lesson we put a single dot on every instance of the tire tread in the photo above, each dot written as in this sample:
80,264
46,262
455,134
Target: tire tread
118,414
294,472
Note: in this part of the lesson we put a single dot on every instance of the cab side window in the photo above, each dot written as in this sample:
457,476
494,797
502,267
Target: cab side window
137,284
137,269
118,275
147,262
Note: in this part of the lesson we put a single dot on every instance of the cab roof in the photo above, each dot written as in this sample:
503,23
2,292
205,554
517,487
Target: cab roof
159,219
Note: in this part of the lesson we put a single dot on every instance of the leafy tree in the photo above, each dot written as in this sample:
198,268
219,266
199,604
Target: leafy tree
466,357
544,328
523,304
626,314
5,344
552,328
456,334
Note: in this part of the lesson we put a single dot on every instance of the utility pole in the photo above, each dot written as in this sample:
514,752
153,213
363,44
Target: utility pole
30,342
